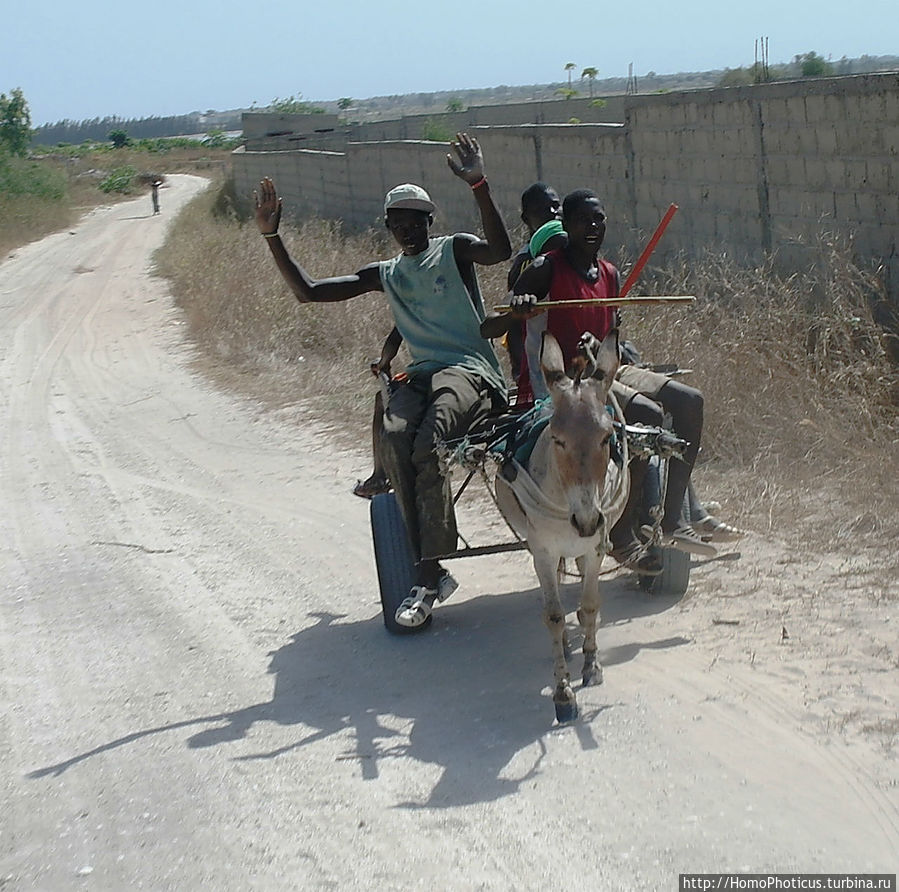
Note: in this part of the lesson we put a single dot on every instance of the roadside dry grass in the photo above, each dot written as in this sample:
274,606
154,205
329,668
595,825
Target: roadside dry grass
26,218
802,427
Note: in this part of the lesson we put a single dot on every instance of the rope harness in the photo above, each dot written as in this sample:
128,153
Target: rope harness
508,440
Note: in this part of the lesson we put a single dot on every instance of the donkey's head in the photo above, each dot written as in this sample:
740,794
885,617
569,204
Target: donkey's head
581,429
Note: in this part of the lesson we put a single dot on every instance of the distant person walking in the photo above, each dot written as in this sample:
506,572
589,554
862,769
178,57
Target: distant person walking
154,187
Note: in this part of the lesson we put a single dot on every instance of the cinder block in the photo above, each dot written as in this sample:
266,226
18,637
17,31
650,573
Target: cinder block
826,140
845,207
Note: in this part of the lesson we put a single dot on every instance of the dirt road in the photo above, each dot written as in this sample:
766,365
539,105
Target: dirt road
198,692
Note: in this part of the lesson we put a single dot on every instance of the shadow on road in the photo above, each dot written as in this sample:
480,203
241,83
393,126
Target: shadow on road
475,690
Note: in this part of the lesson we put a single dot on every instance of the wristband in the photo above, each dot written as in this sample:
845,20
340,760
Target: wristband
269,234
481,182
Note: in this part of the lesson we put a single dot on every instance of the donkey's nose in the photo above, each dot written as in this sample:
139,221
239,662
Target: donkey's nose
587,526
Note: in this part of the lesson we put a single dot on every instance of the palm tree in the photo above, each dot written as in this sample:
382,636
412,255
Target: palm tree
569,67
590,74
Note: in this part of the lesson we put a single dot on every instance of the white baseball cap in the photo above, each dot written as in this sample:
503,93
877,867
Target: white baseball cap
408,195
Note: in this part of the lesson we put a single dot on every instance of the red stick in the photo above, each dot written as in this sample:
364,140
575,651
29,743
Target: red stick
647,251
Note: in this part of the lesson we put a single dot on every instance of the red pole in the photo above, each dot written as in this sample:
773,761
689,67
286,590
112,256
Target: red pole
647,251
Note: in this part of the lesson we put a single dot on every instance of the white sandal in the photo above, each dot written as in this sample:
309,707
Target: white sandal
414,611
446,586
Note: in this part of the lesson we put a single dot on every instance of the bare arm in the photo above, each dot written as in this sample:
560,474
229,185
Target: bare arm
531,287
307,289
495,246
535,280
388,352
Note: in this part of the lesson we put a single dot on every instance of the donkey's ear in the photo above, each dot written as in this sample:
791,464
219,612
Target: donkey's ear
608,358
552,362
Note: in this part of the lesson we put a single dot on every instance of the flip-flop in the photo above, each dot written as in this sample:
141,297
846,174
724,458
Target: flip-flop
717,530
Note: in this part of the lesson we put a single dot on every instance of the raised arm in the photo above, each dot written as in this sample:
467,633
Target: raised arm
306,289
468,165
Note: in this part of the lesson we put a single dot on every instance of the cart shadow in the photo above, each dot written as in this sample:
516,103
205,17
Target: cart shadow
470,694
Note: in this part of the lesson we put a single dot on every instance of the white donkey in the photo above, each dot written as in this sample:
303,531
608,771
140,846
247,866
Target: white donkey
569,497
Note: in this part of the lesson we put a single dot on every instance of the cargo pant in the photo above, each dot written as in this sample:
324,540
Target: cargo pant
424,410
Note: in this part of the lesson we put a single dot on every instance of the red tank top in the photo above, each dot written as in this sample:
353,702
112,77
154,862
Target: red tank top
567,325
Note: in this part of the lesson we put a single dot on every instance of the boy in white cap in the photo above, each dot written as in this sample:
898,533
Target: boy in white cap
454,378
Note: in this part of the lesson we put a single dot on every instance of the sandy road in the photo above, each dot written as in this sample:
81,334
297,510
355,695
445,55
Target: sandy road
198,693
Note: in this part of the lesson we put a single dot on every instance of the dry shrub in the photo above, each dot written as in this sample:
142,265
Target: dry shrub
799,389
801,429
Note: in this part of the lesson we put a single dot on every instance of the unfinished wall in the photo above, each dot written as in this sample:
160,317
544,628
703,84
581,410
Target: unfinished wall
753,169
756,169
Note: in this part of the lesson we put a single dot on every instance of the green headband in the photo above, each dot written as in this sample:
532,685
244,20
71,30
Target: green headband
543,235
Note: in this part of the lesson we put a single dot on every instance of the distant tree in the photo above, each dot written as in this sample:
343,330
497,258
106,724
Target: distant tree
843,66
813,65
566,92
455,105
590,74
569,67
119,139
735,77
15,122
294,105
599,103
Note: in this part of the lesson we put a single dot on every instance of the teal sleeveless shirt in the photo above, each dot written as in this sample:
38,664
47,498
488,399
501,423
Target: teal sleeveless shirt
438,319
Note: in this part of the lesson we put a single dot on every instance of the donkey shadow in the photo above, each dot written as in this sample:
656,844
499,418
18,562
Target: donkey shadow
471,694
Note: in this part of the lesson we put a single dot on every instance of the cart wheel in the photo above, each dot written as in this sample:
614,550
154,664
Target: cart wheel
393,558
675,576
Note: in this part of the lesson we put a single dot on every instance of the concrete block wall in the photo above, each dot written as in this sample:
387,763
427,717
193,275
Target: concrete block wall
549,112
271,131
769,167
754,169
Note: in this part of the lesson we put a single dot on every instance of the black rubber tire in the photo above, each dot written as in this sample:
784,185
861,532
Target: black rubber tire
675,576
393,560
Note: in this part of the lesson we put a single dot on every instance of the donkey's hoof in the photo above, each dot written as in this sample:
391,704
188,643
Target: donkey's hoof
592,675
566,705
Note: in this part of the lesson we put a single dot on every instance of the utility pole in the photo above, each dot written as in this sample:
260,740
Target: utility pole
631,80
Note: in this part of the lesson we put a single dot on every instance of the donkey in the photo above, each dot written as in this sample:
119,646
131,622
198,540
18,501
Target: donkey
569,497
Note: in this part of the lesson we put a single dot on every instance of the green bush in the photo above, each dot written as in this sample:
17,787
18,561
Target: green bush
436,130
21,177
120,180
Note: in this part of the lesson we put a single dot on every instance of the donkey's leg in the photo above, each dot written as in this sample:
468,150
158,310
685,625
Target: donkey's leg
588,616
547,566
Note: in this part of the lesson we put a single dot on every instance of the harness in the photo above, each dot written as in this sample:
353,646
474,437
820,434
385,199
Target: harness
508,440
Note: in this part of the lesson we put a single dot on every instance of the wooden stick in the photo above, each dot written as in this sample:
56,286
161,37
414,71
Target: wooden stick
647,251
606,302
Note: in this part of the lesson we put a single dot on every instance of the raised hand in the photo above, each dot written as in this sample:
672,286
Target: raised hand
470,166
268,207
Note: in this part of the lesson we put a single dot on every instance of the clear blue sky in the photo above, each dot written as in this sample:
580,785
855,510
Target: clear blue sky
92,58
